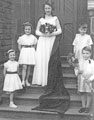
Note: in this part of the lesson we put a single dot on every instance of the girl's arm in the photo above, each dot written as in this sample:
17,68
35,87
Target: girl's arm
35,42
4,71
18,68
74,49
38,29
19,47
92,76
78,71
74,44
19,41
58,26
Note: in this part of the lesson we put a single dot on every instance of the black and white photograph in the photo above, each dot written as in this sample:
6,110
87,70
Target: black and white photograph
46,59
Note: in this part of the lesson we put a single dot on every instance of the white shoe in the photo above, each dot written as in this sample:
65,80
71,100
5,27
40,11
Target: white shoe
27,83
12,105
23,83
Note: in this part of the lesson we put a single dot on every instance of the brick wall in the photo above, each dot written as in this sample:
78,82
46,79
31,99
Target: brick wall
5,28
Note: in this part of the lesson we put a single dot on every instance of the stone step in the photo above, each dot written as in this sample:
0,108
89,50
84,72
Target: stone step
69,78
35,89
75,101
33,99
73,114
19,119
69,75
23,99
72,89
66,68
64,59
25,113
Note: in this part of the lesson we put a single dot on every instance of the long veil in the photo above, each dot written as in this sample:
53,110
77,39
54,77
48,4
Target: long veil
56,97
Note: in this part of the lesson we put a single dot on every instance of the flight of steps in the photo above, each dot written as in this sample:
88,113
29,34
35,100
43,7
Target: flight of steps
30,99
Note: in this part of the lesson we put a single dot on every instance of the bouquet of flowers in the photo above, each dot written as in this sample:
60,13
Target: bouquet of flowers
73,62
47,28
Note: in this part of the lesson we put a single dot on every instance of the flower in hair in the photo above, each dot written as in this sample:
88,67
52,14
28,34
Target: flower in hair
11,50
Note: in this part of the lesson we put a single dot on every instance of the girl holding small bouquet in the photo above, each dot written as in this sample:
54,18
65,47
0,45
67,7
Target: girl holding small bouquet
12,80
26,45
85,76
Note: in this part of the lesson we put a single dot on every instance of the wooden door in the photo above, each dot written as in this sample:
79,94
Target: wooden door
22,11
69,12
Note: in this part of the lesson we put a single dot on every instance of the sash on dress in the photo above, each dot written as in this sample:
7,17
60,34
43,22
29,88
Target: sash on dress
9,72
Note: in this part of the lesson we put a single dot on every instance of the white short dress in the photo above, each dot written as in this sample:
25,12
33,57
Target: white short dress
87,66
79,43
12,80
27,54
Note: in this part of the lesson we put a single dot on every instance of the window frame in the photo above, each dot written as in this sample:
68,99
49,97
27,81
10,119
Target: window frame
92,25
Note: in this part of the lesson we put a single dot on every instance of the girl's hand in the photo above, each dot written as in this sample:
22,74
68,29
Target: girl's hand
48,35
80,71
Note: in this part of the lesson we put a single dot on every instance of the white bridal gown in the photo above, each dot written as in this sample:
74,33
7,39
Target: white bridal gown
43,52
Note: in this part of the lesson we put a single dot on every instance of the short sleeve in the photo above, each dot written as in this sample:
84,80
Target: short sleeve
5,65
40,21
56,18
19,41
38,26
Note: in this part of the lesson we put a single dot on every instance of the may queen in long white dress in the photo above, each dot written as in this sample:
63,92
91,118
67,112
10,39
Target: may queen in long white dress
44,45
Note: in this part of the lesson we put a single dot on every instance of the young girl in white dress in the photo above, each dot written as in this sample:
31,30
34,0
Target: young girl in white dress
45,44
81,40
85,76
26,45
12,80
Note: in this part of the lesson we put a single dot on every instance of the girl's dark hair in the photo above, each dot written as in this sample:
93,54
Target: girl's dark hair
27,24
50,3
83,26
87,48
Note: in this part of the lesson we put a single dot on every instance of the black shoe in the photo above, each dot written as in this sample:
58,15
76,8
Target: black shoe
86,110
81,110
